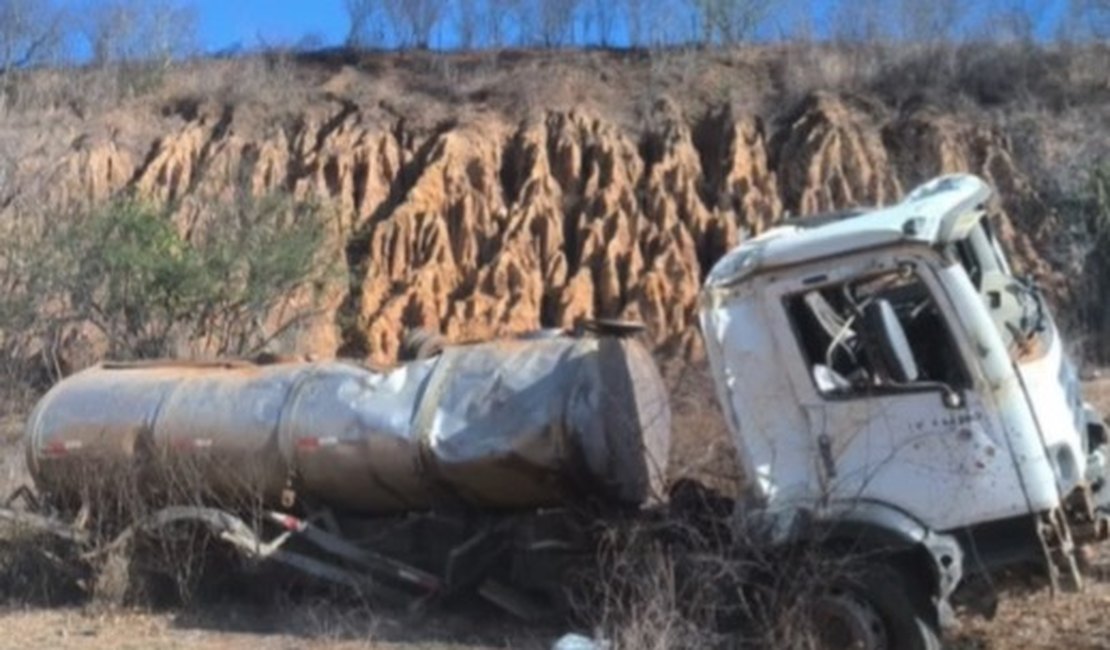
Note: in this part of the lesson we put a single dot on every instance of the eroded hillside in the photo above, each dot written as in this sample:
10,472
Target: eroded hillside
478,216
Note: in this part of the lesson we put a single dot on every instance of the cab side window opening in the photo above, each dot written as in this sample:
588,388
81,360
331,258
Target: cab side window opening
978,254
965,254
1015,304
837,327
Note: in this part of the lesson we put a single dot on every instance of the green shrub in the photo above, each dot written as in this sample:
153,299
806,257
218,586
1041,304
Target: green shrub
128,269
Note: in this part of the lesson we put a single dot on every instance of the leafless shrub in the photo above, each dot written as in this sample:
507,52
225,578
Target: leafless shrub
729,22
18,316
31,34
134,43
39,569
634,19
364,27
929,22
1086,230
554,21
273,77
1095,14
701,447
711,581
158,32
604,18
643,601
132,559
415,20
861,21
966,76
467,18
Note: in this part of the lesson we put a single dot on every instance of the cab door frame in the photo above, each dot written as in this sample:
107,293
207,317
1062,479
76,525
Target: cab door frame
907,449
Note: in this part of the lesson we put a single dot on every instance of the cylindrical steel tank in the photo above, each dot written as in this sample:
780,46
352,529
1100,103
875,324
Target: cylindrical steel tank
510,424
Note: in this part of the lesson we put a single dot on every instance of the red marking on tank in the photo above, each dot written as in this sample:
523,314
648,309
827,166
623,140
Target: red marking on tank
55,448
61,447
185,444
308,444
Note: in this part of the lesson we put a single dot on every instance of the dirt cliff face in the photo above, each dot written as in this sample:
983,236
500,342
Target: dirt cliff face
482,225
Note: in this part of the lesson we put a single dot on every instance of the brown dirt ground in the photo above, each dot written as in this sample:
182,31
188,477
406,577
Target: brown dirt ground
1029,617
310,627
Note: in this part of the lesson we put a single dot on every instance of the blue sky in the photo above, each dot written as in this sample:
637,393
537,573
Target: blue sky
225,24
248,23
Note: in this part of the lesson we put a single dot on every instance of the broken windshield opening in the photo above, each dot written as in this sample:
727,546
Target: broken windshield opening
847,357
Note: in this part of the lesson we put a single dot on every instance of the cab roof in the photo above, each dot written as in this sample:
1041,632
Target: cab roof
943,210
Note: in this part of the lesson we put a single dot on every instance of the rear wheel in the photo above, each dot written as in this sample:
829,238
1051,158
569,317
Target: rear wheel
878,608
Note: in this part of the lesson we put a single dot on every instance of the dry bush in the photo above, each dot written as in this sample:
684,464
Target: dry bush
706,574
39,569
708,582
975,74
641,600
1086,231
129,557
275,78
701,446
83,91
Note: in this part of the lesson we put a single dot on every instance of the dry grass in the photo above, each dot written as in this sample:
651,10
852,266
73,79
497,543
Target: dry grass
1030,617
623,85
14,408
137,630
701,447
1035,620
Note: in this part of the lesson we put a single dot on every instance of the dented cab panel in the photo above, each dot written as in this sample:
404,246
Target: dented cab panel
922,447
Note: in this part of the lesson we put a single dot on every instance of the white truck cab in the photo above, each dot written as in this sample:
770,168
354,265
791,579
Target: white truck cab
885,375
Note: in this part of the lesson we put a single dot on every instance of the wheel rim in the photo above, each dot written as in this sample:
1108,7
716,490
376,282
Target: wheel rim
843,621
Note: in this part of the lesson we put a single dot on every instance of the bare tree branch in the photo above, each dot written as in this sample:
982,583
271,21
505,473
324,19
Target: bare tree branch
861,21
729,22
363,23
604,11
467,20
150,31
31,33
1091,16
415,20
555,20
929,22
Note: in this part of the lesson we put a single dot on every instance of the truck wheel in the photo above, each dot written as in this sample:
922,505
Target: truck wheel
878,609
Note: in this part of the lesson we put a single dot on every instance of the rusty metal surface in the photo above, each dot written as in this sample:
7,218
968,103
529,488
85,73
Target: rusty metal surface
514,424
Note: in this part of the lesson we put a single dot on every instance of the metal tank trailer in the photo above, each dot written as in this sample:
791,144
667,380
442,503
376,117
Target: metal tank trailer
459,448
504,425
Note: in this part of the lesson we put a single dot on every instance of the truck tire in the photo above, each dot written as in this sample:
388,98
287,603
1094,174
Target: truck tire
877,608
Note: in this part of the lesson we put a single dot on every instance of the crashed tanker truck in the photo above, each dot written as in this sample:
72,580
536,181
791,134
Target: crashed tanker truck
890,386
